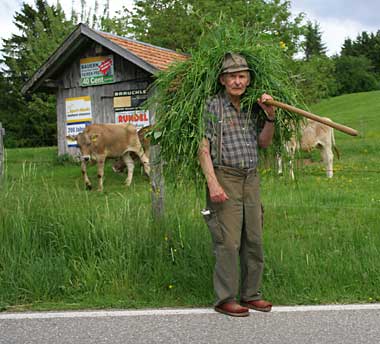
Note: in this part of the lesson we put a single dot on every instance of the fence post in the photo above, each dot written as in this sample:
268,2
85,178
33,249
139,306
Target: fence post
156,175
2,133
157,182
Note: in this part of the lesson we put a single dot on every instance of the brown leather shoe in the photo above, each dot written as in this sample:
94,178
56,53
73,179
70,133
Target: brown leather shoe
232,308
258,305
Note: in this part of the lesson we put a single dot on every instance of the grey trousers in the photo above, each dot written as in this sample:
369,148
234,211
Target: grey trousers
236,231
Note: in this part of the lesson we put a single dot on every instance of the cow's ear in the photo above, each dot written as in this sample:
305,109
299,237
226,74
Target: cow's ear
94,138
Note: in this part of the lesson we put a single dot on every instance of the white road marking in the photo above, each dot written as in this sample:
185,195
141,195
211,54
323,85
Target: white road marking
179,311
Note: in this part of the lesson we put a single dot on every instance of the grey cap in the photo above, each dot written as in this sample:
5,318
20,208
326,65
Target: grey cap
234,63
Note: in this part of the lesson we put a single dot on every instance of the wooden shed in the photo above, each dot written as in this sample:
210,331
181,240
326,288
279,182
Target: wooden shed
99,77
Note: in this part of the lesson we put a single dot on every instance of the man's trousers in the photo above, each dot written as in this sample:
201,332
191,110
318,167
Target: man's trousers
236,231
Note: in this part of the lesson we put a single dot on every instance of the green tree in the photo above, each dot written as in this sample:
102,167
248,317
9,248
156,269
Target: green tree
9,106
119,24
354,74
348,48
177,24
315,78
32,119
367,45
42,29
313,45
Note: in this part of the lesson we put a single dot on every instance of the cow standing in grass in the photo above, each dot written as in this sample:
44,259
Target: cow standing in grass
313,135
102,141
119,165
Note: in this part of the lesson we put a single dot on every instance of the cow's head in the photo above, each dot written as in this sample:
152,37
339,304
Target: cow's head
84,142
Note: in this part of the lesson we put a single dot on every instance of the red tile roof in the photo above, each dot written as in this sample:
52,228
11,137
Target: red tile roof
158,57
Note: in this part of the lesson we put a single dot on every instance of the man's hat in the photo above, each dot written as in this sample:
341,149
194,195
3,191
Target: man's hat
234,63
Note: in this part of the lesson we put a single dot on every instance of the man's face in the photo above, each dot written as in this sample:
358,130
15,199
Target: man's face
235,83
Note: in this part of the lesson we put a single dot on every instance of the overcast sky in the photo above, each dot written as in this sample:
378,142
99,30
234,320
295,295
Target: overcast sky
338,19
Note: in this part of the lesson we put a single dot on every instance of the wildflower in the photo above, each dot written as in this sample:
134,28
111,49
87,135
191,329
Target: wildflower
170,286
282,45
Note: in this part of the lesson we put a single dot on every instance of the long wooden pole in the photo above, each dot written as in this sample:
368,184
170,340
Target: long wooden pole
340,127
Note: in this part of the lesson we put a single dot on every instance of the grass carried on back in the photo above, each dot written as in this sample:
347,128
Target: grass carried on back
181,93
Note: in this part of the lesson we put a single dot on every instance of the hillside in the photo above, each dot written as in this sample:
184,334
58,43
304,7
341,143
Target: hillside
360,111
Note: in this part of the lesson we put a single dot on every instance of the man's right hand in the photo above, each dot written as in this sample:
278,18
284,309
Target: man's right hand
217,193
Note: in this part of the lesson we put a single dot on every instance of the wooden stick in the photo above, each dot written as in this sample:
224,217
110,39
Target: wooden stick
341,127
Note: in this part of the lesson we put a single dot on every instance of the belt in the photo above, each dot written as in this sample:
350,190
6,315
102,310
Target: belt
236,171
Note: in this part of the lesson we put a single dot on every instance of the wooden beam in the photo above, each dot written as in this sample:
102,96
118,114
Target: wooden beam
330,123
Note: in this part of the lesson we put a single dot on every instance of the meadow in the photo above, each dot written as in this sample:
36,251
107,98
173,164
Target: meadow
62,247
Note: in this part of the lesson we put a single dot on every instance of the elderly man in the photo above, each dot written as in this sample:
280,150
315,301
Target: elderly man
228,157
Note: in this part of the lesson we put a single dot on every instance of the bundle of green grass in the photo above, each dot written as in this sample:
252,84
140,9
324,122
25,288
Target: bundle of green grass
182,90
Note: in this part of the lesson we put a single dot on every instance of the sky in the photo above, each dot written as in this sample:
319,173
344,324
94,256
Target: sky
338,19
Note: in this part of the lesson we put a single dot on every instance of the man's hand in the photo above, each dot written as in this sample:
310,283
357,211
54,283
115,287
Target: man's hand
217,193
269,110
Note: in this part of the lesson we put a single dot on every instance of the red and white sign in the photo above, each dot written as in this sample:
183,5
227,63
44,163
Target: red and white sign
139,118
96,70
105,66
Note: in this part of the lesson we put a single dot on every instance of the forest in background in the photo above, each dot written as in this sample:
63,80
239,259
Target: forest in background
30,120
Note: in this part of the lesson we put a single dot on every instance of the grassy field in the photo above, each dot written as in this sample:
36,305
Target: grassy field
62,247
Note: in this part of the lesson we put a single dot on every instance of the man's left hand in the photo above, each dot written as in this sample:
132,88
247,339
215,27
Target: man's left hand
269,110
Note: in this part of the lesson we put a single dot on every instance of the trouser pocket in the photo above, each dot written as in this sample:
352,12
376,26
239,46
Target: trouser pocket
213,225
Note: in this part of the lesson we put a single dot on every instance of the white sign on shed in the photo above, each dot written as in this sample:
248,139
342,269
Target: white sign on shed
78,116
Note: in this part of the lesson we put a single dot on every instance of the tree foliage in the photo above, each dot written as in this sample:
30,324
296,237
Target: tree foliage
42,29
315,78
355,74
177,24
358,67
31,120
313,45
366,44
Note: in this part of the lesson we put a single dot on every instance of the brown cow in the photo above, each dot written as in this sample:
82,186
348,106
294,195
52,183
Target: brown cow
101,141
313,135
119,165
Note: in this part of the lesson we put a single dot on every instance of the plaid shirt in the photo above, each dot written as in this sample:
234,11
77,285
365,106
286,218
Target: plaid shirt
239,143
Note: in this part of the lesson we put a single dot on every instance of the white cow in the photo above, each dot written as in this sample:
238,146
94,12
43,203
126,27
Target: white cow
313,135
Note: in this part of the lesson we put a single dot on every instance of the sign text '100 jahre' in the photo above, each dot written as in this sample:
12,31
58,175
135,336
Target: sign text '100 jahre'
74,129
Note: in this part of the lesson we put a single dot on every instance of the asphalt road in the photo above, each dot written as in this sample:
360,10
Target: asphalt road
350,324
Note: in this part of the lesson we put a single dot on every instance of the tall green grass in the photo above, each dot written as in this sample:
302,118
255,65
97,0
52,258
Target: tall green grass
62,244
64,247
